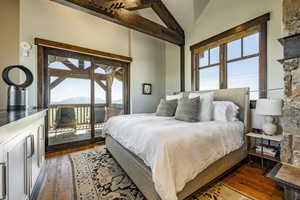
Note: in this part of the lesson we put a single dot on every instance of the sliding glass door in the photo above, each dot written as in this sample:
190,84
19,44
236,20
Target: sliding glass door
84,92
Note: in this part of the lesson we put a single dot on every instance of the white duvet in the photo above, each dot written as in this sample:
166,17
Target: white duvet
176,151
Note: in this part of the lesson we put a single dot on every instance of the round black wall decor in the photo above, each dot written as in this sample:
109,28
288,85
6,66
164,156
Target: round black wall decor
29,76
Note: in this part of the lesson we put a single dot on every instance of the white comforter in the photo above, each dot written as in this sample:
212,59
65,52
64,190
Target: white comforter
175,151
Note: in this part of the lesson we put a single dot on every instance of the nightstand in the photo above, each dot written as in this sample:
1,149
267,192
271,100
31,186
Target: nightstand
262,138
287,176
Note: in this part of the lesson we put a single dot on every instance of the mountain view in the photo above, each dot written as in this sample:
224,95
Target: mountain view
84,100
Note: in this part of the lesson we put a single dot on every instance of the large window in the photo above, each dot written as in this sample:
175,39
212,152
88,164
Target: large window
233,59
209,69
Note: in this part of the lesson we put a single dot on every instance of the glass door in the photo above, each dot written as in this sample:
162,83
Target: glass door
108,93
101,95
69,99
84,91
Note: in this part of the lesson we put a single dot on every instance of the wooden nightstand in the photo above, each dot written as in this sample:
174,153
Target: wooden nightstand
262,138
287,176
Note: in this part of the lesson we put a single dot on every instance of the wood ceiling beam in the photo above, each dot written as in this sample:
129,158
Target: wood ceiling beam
102,85
129,5
74,74
56,82
70,65
165,15
126,18
146,26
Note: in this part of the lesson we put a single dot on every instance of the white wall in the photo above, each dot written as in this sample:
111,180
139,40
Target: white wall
221,15
148,67
49,20
172,68
9,40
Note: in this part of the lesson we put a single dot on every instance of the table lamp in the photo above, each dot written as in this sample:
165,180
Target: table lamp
269,108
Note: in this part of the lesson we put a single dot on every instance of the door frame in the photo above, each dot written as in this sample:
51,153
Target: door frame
44,91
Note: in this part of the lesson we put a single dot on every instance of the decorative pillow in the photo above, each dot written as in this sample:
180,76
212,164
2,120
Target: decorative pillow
166,108
173,97
225,111
206,108
188,110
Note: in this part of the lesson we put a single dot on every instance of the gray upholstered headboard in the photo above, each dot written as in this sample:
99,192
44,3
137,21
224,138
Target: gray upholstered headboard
240,96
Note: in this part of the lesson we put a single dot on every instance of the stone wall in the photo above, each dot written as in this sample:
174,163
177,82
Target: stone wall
290,147
291,16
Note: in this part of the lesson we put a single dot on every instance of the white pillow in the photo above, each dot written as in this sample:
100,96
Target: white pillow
225,111
206,108
173,97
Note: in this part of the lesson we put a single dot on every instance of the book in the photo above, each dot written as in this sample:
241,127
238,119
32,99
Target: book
269,151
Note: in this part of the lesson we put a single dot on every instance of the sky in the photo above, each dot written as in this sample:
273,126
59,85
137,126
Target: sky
72,88
242,73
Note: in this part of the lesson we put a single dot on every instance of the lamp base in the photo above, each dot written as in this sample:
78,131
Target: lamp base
269,127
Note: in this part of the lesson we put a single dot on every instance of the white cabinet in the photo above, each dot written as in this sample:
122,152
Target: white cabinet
15,185
38,156
22,158
29,160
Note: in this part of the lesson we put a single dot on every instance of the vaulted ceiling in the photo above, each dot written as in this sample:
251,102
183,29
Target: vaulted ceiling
164,19
186,12
170,19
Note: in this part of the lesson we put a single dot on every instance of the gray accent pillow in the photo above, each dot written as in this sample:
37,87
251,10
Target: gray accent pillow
166,108
206,106
188,109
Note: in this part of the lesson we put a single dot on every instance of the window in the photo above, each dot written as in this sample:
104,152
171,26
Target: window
243,64
233,59
209,69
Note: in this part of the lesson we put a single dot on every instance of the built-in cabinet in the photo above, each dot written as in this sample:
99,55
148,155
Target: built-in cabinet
22,159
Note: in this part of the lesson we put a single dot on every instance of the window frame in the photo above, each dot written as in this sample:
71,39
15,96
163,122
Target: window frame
251,27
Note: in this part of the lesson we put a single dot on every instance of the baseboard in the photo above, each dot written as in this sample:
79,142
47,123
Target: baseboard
39,182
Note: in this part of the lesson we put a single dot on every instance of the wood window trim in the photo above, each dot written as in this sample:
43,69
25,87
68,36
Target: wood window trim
43,73
259,25
44,88
69,47
238,29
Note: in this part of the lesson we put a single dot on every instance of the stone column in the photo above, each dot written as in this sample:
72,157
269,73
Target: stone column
291,16
290,146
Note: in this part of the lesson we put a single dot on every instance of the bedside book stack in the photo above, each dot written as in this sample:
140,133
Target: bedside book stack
264,146
266,150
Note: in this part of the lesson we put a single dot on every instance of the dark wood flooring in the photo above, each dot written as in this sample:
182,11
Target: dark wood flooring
58,184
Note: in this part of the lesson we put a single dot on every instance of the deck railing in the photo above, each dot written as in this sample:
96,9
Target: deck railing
82,113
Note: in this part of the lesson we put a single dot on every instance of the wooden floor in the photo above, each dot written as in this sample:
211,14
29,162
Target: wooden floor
58,184
252,181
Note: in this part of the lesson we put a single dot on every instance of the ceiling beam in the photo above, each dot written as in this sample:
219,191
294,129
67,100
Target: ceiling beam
56,82
102,85
129,5
165,15
75,74
126,18
146,26
70,65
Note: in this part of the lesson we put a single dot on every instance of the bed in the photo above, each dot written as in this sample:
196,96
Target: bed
145,171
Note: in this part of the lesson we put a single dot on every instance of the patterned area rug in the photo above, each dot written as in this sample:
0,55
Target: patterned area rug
97,176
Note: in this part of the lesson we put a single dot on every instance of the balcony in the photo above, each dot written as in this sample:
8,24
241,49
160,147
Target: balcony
72,122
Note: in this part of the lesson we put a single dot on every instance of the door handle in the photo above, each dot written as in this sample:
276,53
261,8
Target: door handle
3,180
42,132
31,137
32,145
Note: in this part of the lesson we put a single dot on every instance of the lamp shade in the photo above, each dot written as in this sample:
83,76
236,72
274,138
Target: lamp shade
270,107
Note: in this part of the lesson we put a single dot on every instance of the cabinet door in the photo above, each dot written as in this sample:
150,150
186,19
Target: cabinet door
16,172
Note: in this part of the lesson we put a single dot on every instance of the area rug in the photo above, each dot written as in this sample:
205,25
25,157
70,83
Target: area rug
97,176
